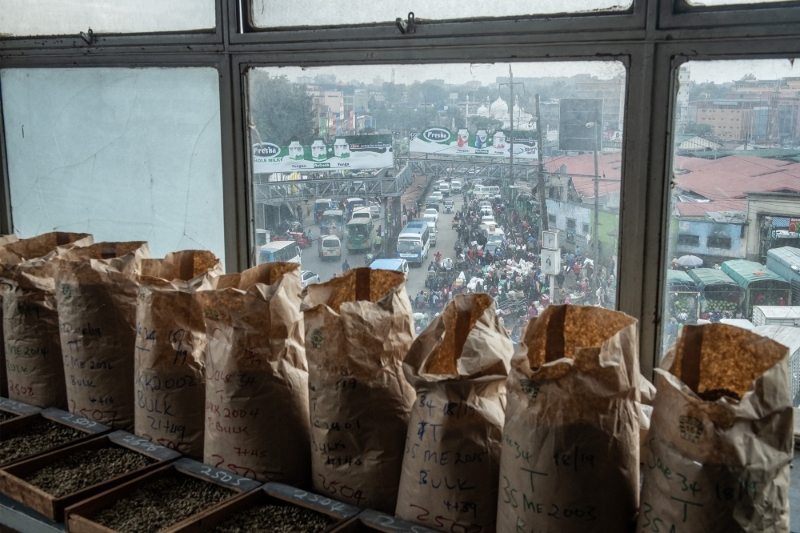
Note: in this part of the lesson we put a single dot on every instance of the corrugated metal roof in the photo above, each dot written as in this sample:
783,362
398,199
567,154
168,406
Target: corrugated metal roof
710,276
789,336
745,272
789,254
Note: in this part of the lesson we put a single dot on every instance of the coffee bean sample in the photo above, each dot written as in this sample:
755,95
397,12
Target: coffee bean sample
85,468
41,435
161,504
275,518
7,415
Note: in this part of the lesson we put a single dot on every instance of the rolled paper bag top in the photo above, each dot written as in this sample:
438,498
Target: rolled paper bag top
355,285
701,358
465,342
41,245
182,266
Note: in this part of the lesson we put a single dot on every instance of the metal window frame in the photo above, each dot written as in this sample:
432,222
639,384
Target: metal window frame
552,27
680,14
652,40
73,42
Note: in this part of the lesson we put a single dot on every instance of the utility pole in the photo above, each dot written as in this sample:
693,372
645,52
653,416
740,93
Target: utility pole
597,146
511,122
540,169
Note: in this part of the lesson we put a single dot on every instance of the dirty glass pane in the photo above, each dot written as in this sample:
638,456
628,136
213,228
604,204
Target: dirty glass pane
734,227
704,3
20,18
124,154
279,13
383,136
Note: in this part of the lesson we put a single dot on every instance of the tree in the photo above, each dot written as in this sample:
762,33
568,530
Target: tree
281,111
484,123
701,130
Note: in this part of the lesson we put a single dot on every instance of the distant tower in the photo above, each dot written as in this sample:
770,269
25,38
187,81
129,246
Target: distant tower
392,76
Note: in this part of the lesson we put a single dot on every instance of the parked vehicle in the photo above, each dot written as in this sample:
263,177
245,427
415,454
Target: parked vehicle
279,252
444,188
448,206
308,278
455,186
360,234
395,265
320,206
432,203
332,223
295,236
329,247
413,243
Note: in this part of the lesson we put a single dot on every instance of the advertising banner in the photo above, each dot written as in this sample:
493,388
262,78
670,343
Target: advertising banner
442,141
347,152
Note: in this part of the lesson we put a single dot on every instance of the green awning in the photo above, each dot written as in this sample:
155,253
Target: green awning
678,276
745,272
710,276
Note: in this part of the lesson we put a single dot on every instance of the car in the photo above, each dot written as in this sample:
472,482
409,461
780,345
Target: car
308,278
432,203
437,195
448,205
485,212
375,210
433,212
485,203
455,186
487,219
395,265
436,186
430,219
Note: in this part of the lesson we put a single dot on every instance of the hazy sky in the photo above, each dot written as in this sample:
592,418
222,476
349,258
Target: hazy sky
722,71
455,73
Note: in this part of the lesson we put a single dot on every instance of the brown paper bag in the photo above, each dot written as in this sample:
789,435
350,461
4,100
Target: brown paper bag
358,328
720,441
30,320
170,350
458,367
257,376
571,439
96,299
4,239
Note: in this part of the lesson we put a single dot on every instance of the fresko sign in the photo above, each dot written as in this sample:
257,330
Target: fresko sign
349,152
442,141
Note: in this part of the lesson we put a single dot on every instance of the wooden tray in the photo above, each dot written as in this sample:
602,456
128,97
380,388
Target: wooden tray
84,425
370,521
273,493
13,485
18,408
79,516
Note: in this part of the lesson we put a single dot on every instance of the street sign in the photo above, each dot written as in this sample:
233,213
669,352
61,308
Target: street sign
550,240
551,262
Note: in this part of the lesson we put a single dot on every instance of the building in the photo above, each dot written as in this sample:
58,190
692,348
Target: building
612,93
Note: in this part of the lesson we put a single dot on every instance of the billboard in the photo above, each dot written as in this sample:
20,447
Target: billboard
442,141
350,152
574,114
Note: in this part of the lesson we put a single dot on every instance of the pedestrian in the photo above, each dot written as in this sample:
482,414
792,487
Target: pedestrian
404,218
345,266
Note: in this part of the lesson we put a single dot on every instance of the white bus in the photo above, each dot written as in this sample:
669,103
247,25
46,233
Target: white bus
279,251
414,242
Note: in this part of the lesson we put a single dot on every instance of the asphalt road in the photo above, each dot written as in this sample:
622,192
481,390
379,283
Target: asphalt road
416,276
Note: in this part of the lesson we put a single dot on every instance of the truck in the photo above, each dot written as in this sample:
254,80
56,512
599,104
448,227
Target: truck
776,315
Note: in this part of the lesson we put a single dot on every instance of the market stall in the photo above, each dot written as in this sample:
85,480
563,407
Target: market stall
683,296
719,294
761,285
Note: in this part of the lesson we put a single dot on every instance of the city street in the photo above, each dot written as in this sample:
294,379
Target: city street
416,276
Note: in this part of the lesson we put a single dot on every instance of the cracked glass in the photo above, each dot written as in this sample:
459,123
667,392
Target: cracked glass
20,18
276,13
122,153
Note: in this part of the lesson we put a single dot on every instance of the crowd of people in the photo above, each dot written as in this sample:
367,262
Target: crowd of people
510,270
